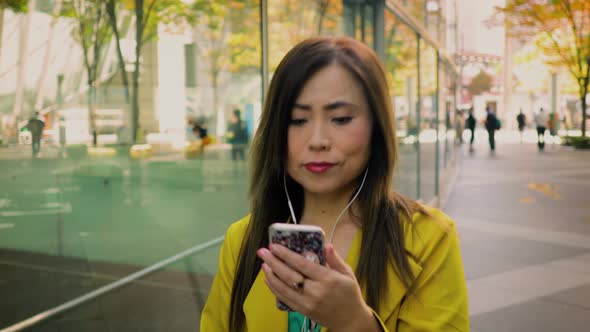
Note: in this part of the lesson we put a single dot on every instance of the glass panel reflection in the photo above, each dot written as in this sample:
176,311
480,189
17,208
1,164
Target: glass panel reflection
81,215
428,110
402,67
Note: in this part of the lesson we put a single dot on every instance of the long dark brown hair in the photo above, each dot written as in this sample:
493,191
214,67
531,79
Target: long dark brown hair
384,213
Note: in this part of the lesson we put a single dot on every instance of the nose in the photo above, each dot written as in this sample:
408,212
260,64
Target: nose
320,138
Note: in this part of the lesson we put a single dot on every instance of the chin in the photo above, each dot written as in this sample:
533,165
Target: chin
322,186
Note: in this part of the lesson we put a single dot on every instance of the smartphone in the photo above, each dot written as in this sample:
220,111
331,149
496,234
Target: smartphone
306,240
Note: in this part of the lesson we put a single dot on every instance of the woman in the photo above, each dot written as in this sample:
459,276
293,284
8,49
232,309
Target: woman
326,138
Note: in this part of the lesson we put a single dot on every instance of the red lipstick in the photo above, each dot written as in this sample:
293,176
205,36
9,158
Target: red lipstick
319,167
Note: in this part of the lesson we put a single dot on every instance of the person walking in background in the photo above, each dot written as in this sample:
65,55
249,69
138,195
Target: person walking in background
35,126
237,136
470,124
492,124
200,131
521,119
553,125
541,123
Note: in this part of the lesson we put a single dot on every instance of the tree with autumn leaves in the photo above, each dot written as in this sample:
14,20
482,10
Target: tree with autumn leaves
228,34
148,15
561,30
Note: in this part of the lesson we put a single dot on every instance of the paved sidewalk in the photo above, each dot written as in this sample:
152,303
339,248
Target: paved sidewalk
524,221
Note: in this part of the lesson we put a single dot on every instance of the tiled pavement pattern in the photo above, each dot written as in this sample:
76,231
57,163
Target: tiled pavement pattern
524,222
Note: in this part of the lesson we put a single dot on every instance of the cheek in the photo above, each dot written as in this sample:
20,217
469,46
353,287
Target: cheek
293,147
358,140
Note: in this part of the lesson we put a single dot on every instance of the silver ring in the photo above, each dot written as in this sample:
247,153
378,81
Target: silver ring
298,286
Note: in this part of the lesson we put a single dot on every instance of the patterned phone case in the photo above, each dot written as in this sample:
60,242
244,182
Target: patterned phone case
307,243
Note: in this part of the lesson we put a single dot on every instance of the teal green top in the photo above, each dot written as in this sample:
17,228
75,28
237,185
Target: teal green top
296,321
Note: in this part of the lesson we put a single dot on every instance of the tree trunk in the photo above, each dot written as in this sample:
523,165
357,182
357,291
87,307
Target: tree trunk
583,100
323,8
22,61
91,112
138,43
40,90
135,100
111,11
216,117
583,97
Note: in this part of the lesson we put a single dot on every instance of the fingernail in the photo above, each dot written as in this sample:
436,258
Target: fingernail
262,252
265,268
272,246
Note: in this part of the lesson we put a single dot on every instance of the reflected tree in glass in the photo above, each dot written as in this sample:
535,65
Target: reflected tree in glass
228,38
291,21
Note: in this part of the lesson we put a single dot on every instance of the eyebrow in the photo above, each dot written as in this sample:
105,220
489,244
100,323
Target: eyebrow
327,107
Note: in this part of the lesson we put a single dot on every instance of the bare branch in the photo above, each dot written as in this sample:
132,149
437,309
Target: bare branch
569,14
148,13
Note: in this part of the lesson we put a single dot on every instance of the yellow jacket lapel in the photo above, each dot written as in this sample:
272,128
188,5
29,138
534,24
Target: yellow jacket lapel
260,316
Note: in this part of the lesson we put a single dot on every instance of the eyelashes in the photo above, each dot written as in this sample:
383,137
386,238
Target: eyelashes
341,120
297,122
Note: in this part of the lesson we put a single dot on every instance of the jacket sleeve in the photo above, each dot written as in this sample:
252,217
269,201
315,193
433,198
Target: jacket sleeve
438,300
215,315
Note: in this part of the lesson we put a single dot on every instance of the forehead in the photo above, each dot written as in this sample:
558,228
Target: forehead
332,82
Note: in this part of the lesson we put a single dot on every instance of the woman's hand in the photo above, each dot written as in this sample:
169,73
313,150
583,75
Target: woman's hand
330,294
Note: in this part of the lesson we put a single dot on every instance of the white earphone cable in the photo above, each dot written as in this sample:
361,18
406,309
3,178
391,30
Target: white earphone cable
289,199
349,204
304,327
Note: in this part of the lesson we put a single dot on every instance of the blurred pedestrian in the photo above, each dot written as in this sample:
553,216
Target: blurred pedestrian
35,126
553,124
237,136
492,124
470,124
541,123
201,132
521,119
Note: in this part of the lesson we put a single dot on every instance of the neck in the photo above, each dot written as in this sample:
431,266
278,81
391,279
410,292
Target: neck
324,209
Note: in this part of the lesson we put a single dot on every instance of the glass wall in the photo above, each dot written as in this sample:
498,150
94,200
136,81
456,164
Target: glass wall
137,164
401,62
417,8
79,215
289,22
448,115
428,120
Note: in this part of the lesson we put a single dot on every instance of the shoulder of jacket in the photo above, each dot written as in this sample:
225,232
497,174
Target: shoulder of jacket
239,227
426,231
236,232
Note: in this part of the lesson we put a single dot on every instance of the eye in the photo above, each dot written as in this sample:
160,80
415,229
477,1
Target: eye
342,120
297,122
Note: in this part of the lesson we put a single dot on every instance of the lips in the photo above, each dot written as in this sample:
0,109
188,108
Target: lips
320,167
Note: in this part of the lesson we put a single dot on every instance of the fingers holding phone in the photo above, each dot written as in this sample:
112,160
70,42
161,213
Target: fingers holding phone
315,282
297,252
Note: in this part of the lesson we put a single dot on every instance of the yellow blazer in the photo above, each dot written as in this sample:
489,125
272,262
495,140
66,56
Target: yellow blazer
438,301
